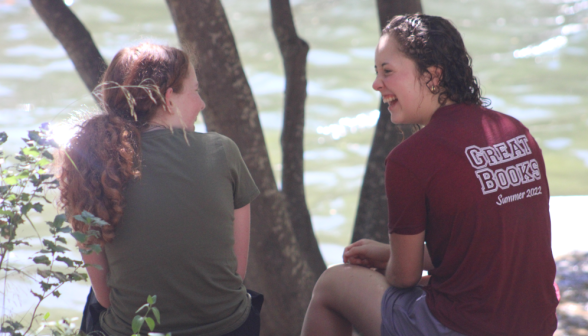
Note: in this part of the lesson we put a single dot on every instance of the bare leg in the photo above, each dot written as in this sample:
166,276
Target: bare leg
346,295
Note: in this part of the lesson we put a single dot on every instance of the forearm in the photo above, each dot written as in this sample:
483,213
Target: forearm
405,266
98,276
241,231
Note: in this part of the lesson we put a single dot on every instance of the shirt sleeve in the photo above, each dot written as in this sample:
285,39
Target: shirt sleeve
407,209
244,188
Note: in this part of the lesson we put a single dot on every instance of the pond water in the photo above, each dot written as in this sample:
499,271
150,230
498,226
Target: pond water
529,55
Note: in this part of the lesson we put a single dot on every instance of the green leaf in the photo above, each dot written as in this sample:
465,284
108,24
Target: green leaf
141,308
94,233
23,175
66,229
75,276
42,259
3,137
150,300
26,208
35,136
12,326
48,155
150,323
65,260
43,162
58,221
53,247
83,219
96,266
4,189
137,323
38,207
95,248
46,316
6,213
32,151
8,246
79,236
45,286
60,276
39,296
56,294
11,180
156,314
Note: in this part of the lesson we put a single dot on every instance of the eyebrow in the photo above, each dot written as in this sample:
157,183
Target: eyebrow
385,63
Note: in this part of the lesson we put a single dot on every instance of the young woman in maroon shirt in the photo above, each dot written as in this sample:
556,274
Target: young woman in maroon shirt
468,201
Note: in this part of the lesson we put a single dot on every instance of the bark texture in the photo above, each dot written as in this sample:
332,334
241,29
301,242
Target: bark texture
372,212
294,51
371,221
387,9
276,267
75,39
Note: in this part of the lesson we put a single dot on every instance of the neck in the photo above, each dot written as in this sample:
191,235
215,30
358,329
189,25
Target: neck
164,119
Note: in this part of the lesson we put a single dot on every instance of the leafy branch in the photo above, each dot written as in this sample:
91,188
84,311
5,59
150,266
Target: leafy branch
139,320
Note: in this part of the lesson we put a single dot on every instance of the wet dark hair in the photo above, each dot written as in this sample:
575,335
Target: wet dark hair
434,41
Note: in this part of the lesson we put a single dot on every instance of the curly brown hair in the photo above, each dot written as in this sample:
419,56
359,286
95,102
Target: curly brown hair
104,155
434,41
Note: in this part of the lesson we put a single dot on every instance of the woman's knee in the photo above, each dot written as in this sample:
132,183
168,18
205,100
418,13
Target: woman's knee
329,283
346,280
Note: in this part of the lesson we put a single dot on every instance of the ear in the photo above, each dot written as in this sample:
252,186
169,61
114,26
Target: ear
169,97
436,75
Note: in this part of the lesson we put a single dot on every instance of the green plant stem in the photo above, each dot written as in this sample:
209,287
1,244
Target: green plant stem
43,297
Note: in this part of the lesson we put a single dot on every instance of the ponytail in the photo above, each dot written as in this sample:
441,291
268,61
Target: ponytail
100,161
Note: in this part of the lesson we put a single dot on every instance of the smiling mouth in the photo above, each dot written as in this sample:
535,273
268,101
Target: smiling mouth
389,99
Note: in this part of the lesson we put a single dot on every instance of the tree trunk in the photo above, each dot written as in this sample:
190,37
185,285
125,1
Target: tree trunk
372,212
276,266
387,9
75,39
294,51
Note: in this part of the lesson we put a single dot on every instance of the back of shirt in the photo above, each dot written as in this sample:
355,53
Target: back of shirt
175,239
474,180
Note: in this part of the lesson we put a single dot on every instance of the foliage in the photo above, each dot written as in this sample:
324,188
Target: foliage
23,188
139,320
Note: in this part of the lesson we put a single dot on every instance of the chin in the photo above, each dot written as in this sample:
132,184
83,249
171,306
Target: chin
397,120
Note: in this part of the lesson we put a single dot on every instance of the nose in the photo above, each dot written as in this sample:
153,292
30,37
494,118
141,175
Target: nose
377,84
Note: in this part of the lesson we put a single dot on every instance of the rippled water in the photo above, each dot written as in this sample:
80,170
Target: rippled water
529,55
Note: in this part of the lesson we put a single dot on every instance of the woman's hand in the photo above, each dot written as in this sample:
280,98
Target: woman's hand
368,253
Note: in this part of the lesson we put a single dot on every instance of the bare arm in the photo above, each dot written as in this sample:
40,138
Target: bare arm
98,277
427,262
369,253
241,230
405,267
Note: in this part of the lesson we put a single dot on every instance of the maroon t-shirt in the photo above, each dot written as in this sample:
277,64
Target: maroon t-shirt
474,180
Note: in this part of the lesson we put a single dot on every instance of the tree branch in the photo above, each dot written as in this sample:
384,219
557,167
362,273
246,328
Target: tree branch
294,51
75,39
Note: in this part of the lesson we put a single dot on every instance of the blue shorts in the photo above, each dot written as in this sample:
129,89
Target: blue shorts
405,312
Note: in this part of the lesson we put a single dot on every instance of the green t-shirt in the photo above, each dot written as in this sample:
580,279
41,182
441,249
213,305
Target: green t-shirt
175,239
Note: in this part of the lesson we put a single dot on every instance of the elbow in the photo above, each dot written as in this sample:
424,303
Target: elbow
103,297
402,280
